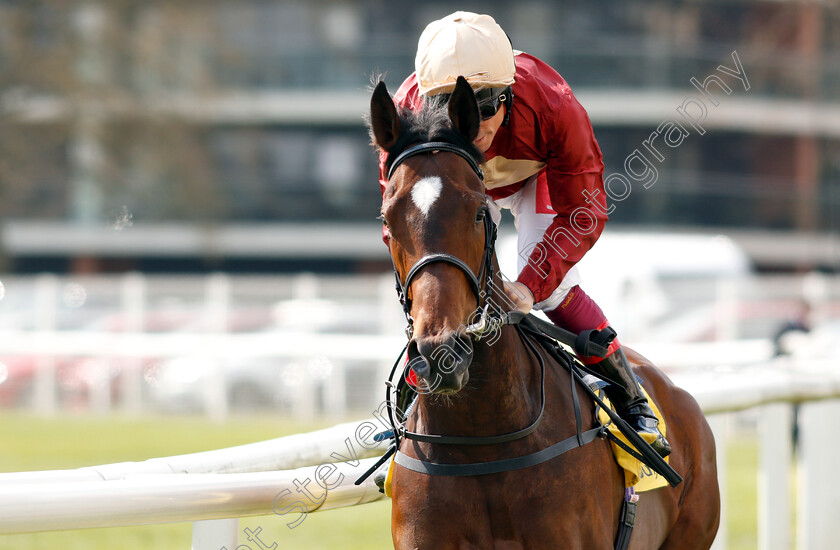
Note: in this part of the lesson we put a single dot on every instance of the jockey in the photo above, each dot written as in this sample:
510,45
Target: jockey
542,163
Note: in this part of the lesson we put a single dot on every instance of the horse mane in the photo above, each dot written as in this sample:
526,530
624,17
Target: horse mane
430,123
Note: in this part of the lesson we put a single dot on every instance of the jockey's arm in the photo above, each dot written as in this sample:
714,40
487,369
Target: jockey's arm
574,170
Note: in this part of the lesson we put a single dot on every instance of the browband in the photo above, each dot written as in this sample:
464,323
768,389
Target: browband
435,146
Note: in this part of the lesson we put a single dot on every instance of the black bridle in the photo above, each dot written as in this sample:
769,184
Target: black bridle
482,284
489,319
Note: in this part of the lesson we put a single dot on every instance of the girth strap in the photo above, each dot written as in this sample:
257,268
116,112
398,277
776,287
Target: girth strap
626,519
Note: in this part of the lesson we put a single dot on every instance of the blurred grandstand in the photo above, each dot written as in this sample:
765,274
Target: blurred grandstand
190,136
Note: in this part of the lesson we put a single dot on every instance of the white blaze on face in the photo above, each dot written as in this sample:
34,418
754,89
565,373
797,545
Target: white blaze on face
425,192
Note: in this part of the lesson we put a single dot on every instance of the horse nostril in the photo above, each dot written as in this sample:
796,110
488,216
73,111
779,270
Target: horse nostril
443,356
461,349
425,347
465,344
417,361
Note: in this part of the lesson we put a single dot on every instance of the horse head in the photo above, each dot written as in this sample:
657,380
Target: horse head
435,212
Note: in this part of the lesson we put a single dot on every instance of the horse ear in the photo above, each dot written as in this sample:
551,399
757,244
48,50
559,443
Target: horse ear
384,122
463,109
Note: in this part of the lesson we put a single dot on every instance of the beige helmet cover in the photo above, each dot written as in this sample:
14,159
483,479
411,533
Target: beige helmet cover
463,44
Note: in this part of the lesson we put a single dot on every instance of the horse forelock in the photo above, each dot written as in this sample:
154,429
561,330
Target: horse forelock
430,123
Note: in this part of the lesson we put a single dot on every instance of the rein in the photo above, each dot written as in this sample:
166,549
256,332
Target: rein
579,439
530,329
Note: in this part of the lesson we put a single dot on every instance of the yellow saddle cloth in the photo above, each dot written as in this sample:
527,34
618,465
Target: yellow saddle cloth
636,474
389,478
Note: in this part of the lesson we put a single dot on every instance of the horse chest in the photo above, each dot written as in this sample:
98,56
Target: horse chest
500,512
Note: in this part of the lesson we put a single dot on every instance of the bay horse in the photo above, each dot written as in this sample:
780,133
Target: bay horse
434,210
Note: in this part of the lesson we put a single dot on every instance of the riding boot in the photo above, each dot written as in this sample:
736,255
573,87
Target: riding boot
630,403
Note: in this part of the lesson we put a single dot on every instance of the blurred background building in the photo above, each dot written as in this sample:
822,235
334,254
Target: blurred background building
187,136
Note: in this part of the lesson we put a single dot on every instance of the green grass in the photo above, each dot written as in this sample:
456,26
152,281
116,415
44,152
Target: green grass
741,494
28,443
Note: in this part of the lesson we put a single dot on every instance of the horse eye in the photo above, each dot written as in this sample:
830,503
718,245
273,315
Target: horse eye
479,216
382,219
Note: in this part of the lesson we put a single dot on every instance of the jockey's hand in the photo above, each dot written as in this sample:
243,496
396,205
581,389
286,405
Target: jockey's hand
519,295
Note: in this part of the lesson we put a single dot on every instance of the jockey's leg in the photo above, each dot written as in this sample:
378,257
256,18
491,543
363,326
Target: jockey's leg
578,312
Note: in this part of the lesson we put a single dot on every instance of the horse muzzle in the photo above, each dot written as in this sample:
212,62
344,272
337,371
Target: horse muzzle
442,362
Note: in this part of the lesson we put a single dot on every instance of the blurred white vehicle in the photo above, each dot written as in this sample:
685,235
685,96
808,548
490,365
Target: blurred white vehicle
654,284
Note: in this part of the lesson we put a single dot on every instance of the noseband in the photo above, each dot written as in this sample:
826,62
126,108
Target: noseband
485,274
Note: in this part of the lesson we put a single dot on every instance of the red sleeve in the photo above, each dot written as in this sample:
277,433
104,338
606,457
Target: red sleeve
574,171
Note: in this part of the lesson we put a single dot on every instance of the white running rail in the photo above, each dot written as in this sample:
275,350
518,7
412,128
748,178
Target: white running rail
244,481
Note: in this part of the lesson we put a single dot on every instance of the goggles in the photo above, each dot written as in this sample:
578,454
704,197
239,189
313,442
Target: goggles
490,100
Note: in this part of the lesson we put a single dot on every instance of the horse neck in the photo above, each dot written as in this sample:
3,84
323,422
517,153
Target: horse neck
503,393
